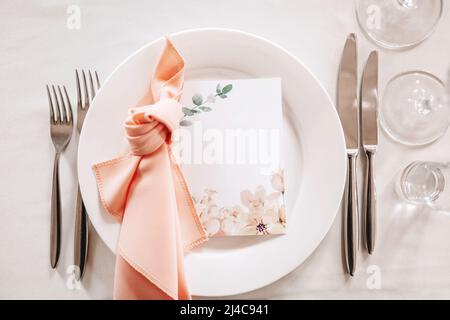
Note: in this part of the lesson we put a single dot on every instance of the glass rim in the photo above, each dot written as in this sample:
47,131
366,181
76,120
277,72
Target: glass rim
390,45
381,113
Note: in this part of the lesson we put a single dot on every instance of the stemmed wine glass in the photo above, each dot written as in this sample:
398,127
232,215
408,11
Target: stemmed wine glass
397,24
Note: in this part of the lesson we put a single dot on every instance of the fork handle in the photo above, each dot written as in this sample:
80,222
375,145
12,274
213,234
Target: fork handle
81,237
55,215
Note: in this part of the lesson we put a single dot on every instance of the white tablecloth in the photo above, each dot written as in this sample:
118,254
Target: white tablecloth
413,252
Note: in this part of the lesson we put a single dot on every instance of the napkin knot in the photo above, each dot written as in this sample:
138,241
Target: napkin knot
148,127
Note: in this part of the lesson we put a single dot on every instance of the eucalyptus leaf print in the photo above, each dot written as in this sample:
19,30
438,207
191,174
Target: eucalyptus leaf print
204,105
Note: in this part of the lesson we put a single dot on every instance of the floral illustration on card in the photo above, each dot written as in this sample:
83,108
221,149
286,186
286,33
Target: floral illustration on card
204,105
260,212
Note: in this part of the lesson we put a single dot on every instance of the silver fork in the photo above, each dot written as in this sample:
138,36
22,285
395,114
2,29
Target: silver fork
81,220
61,128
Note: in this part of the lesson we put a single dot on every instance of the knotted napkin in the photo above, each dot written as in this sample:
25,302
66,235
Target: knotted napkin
147,192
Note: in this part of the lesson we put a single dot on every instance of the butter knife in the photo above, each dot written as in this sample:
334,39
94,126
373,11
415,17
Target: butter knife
347,104
369,129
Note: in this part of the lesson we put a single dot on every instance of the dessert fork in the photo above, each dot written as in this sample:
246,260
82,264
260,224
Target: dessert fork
61,127
81,235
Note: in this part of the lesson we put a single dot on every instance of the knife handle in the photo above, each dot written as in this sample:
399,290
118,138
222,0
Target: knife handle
351,214
370,203
81,237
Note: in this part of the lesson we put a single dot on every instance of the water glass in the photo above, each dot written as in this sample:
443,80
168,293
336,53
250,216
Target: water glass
426,183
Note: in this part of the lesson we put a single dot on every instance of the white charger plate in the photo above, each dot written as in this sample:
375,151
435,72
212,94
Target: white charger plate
315,166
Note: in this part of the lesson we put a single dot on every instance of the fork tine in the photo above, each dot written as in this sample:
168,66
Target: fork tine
70,118
98,81
58,111
86,92
91,82
79,102
63,107
50,104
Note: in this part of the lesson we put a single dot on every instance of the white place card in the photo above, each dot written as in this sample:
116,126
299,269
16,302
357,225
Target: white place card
228,147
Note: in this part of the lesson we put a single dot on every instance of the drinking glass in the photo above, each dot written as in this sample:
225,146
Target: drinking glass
414,109
426,183
397,24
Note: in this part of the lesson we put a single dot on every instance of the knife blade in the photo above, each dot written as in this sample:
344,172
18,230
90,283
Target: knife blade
347,93
369,117
347,101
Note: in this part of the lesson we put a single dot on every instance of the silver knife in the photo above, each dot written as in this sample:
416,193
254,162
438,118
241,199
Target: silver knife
369,112
347,103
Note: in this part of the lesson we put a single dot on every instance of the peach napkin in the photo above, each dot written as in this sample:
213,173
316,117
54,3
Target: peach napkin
147,192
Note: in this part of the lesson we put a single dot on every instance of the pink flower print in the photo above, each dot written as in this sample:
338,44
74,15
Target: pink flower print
278,181
233,219
256,226
254,202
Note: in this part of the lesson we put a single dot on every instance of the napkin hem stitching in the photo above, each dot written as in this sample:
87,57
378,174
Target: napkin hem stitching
196,243
99,179
147,275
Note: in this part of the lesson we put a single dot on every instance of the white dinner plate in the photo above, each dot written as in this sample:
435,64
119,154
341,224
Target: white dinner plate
315,166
